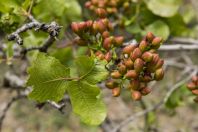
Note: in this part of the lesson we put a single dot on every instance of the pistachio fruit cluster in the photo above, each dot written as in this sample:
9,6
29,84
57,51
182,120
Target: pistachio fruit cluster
140,64
193,87
97,36
110,6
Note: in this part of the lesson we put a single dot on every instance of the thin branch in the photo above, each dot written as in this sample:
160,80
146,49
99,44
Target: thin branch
178,47
162,102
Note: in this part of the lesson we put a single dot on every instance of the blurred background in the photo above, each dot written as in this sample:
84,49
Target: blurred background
174,20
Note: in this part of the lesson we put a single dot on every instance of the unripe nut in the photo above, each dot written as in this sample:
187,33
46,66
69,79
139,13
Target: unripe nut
156,42
116,91
159,74
128,49
143,45
195,92
150,36
131,74
145,90
136,95
116,75
191,86
111,84
119,40
138,65
134,84
147,56
136,54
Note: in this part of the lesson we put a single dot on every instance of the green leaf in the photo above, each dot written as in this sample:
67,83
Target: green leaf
90,70
47,77
177,98
163,8
159,28
86,102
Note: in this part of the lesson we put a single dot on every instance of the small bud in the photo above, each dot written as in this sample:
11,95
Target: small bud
116,75
134,84
119,40
82,26
136,54
145,90
101,12
116,91
89,23
101,26
191,86
128,63
150,36
111,84
159,74
107,43
128,49
108,56
131,74
136,95
156,42
105,34
159,64
87,4
98,53
75,27
101,56
105,21
147,56
195,91
156,58
95,27
138,65
143,45
110,26
146,78
122,68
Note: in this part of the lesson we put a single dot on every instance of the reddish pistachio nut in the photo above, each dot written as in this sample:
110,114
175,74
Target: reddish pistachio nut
128,49
128,63
105,21
143,45
98,53
131,74
136,95
146,78
89,23
80,42
145,90
105,34
108,56
116,75
119,40
152,51
101,56
88,4
191,86
150,36
159,64
134,84
159,74
101,26
110,26
94,2
195,91
107,43
82,26
137,53
101,12
156,42
147,56
195,79
138,65
155,59
111,84
122,68
95,27
75,27
116,91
